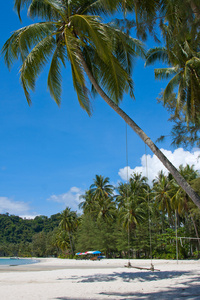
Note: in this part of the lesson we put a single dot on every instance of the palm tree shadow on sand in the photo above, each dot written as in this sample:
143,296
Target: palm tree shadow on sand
190,289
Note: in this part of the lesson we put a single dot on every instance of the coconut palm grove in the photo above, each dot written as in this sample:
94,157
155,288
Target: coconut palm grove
100,40
131,220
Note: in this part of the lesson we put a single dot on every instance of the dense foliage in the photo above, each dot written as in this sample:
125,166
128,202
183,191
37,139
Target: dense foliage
132,219
25,237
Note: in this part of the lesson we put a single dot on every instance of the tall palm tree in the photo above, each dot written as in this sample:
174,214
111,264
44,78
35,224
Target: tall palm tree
101,187
87,205
69,223
132,204
73,31
61,240
162,197
139,182
162,186
102,196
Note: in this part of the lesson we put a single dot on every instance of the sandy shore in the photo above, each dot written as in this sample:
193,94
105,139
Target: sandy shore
106,279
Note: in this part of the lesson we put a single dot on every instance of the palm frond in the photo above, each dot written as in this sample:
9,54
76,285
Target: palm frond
11,49
59,7
171,86
191,107
125,48
19,5
181,96
82,93
112,82
157,53
165,73
90,28
99,6
114,79
89,55
73,52
22,40
114,73
34,63
47,9
194,65
54,78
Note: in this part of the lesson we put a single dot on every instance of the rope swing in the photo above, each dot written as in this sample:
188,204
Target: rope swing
150,237
127,176
149,213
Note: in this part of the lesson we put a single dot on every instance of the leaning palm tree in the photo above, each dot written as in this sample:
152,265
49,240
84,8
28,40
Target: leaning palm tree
73,31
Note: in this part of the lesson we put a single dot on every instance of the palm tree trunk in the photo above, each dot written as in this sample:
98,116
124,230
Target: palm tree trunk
70,241
196,231
176,235
180,180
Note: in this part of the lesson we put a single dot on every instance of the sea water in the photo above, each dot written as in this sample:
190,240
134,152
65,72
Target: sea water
16,261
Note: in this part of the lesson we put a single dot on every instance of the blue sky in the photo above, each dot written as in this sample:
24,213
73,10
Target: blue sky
50,155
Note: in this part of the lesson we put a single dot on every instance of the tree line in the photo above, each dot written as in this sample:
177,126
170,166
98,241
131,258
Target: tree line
134,220
25,237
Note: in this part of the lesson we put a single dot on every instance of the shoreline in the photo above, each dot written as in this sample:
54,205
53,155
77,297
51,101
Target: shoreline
65,279
50,264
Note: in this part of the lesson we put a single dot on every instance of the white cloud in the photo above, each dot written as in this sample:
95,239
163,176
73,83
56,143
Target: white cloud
12,207
154,165
28,217
70,198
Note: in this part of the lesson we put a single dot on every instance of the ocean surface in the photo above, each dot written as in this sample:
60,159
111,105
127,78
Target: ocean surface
16,261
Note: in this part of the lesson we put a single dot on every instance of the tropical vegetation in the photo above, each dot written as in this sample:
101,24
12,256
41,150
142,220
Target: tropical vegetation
133,219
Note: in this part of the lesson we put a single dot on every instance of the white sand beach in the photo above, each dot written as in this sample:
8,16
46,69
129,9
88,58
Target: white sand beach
53,278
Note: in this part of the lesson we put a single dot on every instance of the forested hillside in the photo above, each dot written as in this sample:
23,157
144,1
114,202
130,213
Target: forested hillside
132,219
17,234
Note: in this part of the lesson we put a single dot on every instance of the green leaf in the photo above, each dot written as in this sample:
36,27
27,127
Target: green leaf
22,40
34,63
19,4
54,77
165,73
90,28
170,86
47,9
157,53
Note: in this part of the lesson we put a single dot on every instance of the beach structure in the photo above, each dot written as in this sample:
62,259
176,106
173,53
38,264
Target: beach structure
93,255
